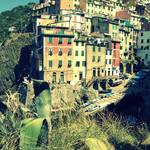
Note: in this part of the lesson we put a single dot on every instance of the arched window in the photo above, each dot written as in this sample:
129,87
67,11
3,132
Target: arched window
94,72
54,77
62,77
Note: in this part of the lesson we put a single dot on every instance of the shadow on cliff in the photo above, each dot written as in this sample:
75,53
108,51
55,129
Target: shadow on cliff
24,66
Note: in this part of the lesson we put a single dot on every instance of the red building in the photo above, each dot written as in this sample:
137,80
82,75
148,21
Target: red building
123,14
115,57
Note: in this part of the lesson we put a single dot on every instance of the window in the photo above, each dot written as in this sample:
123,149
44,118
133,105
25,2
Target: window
94,72
77,64
148,40
50,52
94,48
76,54
60,53
115,44
54,77
69,52
106,61
50,63
142,47
142,34
83,63
93,60
80,76
142,40
69,63
99,49
99,59
69,40
59,63
113,34
146,56
107,52
62,76
77,43
50,40
110,52
60,40
82,53
109,61
130,36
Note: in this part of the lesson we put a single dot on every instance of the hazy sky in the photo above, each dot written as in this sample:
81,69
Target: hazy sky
9,4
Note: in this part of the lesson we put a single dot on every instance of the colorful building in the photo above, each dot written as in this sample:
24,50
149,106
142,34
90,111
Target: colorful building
134,19
54,61
79,59
95,58
144,47
103,25
115,57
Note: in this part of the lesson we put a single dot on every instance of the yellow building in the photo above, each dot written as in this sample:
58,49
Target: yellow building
95,58
79,59
88,24
135,20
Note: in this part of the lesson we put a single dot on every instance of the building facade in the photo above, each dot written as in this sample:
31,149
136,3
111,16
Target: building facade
95,58
115,57
54,62
79,60
144,47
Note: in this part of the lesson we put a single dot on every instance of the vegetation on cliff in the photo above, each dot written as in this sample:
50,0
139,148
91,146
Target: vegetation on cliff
19,17
10,55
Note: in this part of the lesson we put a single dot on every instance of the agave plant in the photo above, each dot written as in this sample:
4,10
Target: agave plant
31,128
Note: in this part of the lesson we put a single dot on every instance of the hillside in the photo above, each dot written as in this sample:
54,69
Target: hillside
19,17
13,43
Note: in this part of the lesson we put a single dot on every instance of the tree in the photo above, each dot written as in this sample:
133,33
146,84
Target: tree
124,63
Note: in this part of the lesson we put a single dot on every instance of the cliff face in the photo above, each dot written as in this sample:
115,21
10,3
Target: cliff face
10,59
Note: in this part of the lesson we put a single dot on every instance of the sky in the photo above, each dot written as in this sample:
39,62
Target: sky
9,4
